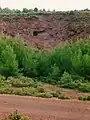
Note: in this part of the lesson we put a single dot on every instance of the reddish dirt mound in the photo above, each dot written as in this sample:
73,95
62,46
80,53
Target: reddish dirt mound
45,109
47,30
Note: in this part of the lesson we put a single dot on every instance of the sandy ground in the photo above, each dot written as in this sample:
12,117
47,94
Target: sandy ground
46,109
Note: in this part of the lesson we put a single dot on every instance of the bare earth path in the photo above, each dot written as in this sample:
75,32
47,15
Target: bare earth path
46,109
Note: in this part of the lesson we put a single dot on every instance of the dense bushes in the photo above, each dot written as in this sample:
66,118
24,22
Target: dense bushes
67,65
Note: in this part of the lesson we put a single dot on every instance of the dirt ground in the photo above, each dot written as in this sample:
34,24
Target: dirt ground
45,109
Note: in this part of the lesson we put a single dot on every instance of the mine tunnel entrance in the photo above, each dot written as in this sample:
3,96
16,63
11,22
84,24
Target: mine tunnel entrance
35,33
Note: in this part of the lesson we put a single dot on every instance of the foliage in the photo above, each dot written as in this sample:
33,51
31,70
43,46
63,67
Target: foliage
2,81
63,97
16,116
28,86
35,9
67,65
45,95
8,63
84,87
66,79
84,98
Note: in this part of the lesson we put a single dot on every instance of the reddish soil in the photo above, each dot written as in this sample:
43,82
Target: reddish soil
46,109
47,30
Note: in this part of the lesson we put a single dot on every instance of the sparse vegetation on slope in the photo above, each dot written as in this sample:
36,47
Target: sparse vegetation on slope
45,29
28,86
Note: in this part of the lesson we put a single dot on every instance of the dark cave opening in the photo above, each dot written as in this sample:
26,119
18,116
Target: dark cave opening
35,33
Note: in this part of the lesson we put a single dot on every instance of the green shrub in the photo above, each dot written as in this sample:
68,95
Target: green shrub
3,82
63,97
66,78
40,89
74,82
22,82
44,95
55,73
31,90
19,83
22,91
80,98
6,91
15,116
25,91
55,94
66,81
84,98
84,87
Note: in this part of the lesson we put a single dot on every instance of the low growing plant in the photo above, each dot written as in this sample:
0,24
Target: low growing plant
15,116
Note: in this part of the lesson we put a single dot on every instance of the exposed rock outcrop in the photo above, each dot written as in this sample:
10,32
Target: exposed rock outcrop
47,30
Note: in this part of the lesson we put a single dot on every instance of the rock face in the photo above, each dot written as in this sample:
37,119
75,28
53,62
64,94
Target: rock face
47,30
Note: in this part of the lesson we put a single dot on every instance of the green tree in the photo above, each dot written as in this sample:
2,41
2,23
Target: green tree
6,10
8,63
17,11
35,9
25,10
20,50
86,65
53,10
30,62
44,10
